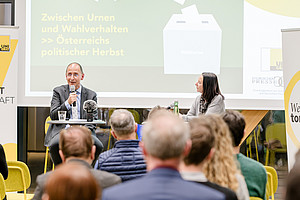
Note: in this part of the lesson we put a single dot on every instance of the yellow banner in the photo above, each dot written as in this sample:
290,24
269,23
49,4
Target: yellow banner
6,56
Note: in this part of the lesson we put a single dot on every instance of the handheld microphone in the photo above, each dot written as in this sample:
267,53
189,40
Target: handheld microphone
72,89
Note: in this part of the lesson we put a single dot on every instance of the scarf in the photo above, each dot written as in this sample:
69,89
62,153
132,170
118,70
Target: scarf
203,106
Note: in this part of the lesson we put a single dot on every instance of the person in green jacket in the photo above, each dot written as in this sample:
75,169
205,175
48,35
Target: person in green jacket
254,172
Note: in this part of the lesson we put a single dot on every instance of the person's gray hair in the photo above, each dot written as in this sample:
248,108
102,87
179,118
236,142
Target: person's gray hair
122,122
165,136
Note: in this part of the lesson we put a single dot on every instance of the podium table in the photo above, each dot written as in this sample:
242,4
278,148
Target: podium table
77,122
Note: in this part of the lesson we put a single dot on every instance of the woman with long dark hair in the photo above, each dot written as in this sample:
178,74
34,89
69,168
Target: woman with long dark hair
210,101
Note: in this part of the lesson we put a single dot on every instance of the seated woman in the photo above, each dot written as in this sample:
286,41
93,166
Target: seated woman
210,101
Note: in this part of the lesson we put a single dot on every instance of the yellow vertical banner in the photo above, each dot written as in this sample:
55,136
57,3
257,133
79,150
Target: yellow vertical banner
8,89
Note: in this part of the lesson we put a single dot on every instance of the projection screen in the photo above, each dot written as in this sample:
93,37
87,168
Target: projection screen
129,49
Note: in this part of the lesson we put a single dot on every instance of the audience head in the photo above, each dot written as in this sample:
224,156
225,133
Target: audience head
122,123
210,86
71,181
203,140
236,124
165,136
154,110
293,180
221,168
76,141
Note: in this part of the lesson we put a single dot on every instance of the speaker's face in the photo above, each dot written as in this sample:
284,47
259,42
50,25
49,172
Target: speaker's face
74,75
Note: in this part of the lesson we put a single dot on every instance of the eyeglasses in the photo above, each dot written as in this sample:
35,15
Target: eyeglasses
74,75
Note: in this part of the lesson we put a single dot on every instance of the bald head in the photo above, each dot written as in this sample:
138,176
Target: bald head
75,64
165,135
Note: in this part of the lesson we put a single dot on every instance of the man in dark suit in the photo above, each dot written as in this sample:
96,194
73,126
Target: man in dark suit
62,100
76,146
165,142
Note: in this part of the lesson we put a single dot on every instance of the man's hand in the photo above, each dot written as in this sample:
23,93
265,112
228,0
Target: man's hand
72,98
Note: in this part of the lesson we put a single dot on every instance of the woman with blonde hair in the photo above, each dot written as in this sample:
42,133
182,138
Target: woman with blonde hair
221,168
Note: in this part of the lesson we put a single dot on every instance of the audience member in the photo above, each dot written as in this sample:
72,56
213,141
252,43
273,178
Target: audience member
76,146
221,168
140,126
3,164
71,182
293,180
203,140
154,110
126,158
254,172
165,142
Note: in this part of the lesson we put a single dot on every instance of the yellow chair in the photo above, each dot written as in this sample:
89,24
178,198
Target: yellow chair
254,135
18,180
255,198
275,132
2,187
136,115
47,148
10,150
269,187
248,143
272,182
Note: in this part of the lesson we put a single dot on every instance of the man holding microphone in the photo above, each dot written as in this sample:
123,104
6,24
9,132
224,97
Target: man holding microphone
70,98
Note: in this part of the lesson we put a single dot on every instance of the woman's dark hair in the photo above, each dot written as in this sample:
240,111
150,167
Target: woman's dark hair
210,86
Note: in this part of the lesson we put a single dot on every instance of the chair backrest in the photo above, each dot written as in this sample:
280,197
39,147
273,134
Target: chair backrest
18,177
46,124
10,150
255,198
269,186
276,131
258,130
274,177
2,187
136,115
